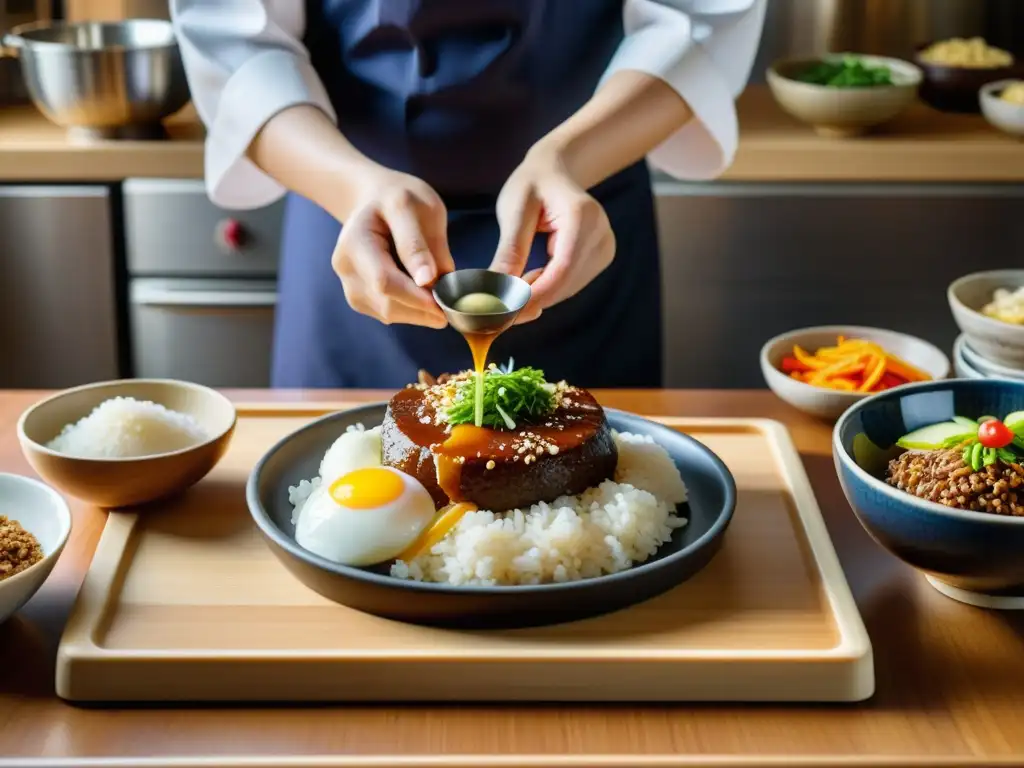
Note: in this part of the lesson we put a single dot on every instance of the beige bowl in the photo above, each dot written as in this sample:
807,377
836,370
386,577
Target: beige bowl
829,403
841,112
999,342
126,482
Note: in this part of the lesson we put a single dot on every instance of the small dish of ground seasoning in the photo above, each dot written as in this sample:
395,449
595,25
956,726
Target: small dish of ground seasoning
19,549
35,523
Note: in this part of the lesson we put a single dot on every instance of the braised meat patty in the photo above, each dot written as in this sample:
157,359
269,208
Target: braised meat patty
565,453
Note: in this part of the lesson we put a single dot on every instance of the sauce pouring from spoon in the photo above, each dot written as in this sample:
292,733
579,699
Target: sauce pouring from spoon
481,305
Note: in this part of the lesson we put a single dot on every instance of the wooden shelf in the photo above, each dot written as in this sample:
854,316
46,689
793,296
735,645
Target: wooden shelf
921,146
34,149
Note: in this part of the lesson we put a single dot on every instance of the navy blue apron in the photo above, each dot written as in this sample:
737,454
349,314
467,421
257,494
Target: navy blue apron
455,92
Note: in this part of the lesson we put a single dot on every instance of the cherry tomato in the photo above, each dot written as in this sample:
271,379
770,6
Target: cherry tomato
994,434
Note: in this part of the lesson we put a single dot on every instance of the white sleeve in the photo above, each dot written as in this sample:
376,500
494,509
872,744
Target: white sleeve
704,49
245,63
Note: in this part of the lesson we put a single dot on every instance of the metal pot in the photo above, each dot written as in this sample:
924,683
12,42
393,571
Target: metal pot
104,80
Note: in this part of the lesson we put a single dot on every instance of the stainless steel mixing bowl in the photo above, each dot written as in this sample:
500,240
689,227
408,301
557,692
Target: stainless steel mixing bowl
106,80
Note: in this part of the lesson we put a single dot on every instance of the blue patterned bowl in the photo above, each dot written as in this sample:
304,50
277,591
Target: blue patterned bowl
977,552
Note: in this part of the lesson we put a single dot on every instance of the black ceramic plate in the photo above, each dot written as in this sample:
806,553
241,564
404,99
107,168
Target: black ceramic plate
712,498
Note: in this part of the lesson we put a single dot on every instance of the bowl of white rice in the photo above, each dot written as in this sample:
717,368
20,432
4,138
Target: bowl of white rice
128,442
652,526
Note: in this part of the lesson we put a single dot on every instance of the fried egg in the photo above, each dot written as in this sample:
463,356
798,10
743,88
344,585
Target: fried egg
355,449
365,516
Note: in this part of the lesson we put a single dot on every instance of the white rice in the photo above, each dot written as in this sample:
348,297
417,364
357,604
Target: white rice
604,530
123,427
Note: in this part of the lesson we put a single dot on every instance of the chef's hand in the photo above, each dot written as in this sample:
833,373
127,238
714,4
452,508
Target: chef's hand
394,207
541,196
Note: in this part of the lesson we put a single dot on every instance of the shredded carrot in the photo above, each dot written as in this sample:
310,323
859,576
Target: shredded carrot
877,369
852,365
808,359
905,370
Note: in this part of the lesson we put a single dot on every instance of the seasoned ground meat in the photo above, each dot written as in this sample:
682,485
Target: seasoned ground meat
19,549
942,476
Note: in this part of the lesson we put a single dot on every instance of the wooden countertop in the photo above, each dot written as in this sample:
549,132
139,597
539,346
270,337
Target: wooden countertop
921,145
34,149
950,683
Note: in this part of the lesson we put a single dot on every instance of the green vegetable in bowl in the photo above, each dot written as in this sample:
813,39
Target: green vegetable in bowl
848,72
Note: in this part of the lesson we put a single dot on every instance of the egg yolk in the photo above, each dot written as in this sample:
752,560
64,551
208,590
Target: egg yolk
443,522
367,488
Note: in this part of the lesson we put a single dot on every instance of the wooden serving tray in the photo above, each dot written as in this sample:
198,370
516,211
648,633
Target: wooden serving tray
185,602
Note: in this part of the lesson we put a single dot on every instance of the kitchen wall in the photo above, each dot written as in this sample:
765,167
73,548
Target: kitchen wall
792,26
743,262
889,27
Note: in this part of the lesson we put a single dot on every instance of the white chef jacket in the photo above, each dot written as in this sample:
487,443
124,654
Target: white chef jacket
246,62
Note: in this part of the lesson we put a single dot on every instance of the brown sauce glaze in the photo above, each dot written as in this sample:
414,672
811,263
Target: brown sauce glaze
565,453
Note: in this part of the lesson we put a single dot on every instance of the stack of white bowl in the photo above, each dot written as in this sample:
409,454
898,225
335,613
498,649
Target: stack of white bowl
986,348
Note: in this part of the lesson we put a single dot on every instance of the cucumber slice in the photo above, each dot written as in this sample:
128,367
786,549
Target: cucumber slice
1015,421
963,420
932,437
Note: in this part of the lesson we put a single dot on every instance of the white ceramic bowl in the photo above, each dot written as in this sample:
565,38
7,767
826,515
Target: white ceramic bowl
843,112
1007,117
962,367
830,403
977,362
43,513
963,370
998,342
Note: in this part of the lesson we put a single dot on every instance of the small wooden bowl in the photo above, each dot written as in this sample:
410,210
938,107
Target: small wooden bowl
955,89
112,482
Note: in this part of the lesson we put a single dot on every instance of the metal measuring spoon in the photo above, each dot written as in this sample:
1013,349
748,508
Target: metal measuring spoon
513,292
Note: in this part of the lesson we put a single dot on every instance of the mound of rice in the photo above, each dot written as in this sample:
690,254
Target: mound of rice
123,427
604,530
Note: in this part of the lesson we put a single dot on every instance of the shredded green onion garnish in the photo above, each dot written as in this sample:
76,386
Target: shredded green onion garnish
509,397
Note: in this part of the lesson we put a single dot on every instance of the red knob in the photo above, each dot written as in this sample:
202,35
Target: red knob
231,234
